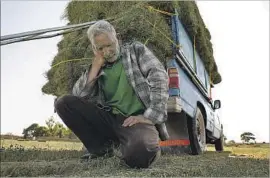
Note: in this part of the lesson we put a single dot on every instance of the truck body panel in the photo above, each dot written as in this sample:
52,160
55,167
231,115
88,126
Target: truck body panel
194,86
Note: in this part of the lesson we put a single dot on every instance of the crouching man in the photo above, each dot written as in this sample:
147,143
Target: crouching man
121,99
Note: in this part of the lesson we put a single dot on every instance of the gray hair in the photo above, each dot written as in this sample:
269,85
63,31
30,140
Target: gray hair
101,27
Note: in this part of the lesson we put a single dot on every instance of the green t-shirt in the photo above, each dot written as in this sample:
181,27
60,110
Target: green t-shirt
119,94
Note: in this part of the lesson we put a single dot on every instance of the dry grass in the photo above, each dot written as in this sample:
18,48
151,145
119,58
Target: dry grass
32,158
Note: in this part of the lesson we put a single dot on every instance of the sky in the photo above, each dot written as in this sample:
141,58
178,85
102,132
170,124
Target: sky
240,38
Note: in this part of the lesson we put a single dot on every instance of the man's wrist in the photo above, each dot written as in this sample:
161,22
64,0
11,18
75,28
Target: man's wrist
146,120
93,73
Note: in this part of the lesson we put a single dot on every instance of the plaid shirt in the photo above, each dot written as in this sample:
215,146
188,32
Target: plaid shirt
145,74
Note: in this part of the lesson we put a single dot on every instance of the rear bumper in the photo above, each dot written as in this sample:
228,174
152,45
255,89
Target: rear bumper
176,124
174,104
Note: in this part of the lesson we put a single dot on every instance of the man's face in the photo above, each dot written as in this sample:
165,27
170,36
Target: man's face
106,47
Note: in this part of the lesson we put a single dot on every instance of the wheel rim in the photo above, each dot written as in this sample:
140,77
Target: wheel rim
200,133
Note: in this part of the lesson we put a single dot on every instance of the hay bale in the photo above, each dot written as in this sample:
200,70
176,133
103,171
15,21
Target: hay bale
133,25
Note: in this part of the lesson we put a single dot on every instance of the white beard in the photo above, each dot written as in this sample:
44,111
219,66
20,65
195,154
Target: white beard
113,58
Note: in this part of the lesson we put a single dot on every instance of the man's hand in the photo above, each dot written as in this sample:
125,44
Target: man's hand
96,65
136,119
98,60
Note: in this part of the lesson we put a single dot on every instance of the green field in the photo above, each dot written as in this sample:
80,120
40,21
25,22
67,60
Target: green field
51,158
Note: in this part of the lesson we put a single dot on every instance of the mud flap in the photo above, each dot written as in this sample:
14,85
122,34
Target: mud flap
178,142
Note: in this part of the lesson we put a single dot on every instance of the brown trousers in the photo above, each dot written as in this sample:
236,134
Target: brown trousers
99,130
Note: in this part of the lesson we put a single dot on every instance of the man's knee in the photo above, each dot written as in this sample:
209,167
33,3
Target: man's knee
140,154
63,101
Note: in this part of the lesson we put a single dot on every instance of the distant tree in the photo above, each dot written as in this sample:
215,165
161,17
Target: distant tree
58,130
55,129
41,131
247,136
52,128
50,125
29,131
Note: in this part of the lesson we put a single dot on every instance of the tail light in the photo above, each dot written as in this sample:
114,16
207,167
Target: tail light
173,78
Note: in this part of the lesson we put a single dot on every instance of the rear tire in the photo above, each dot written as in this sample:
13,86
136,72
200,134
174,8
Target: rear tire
197,134
219,143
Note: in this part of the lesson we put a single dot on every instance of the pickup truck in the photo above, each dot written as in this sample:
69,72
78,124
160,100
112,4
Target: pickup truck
193,121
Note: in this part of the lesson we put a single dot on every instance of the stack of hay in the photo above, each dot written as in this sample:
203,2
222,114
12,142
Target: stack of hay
132,21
